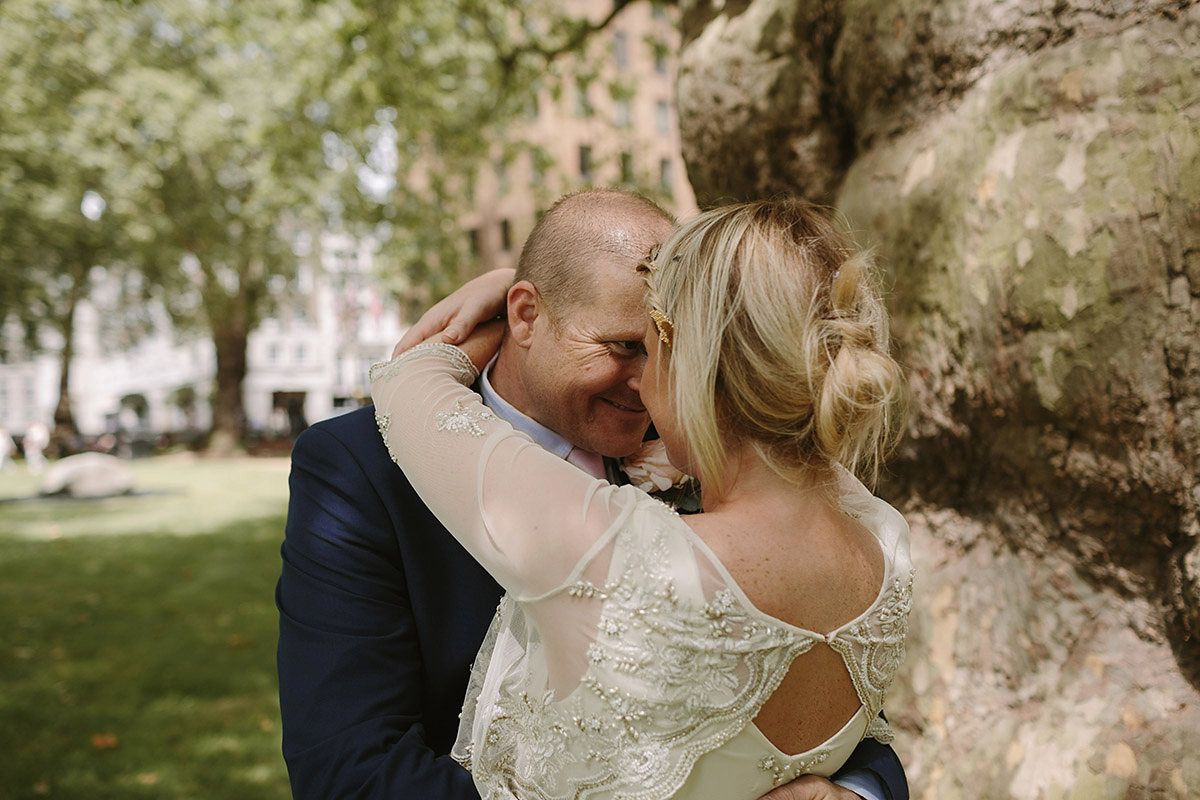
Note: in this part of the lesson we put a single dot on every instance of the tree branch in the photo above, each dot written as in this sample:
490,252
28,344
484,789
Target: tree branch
575,40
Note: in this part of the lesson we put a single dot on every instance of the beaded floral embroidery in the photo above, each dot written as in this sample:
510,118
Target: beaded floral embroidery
463,420
672,674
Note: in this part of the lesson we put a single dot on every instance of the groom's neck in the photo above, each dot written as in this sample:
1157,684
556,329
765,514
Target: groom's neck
507,381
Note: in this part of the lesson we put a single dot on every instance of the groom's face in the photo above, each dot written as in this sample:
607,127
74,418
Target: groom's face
590,361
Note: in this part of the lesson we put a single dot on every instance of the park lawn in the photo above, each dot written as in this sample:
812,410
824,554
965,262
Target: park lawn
136,663
180,494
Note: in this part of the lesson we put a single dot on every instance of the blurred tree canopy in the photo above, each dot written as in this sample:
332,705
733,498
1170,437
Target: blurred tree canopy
187,148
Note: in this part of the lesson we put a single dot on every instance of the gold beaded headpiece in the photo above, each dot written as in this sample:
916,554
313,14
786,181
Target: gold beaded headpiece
666,328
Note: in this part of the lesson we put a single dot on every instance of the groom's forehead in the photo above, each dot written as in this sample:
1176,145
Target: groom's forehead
630,242
612,284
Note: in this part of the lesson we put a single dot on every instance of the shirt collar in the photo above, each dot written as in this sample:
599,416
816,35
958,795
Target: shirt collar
547,438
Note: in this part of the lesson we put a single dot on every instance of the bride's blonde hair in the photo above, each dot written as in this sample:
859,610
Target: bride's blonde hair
778,337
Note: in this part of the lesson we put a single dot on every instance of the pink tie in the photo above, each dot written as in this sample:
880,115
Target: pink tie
590,463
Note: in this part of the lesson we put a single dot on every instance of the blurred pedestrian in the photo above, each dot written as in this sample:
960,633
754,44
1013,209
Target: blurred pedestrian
37,437
7,447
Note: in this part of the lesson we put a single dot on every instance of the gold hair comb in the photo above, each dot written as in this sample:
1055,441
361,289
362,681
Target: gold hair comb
666,328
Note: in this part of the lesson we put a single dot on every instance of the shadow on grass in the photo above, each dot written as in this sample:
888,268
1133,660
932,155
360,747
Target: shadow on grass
85,501
141,666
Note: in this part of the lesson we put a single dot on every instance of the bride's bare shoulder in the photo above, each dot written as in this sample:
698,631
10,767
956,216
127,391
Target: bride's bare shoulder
816,572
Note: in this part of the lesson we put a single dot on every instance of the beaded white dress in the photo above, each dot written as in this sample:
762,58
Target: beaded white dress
624,661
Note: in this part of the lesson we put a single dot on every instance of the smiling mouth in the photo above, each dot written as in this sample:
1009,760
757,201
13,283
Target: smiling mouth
620,407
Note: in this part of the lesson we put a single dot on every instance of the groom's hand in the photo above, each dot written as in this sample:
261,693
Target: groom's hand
480,345
810,787
475,302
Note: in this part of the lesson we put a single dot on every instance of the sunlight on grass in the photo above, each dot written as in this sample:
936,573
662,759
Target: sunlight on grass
180,494
142,665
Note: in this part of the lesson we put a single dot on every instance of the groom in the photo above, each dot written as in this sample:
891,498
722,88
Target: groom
381,611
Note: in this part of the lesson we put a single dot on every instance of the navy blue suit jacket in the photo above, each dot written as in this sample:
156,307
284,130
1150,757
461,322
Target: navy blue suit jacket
381,613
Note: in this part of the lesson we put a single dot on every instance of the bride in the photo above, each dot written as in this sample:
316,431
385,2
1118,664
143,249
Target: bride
641,654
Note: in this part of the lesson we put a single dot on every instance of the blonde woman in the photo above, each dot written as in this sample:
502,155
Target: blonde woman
641,654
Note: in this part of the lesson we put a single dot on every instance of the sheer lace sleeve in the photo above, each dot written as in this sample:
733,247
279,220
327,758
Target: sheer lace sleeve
524,514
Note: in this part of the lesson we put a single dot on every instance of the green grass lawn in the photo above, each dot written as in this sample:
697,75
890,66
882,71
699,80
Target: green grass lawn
137,661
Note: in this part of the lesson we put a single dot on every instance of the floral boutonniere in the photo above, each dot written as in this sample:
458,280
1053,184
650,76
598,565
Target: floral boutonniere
650,470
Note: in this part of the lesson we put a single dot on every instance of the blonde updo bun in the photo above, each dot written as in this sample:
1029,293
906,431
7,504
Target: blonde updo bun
781,339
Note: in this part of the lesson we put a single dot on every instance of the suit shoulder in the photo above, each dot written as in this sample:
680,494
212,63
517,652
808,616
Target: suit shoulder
351,427
355,431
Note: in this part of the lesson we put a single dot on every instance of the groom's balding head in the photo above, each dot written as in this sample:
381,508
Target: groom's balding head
589,237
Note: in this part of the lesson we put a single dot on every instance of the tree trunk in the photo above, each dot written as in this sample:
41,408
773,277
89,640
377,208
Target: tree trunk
229,415
1027,175
65,435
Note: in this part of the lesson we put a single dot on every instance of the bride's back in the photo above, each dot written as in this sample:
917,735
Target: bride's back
813,567
770,378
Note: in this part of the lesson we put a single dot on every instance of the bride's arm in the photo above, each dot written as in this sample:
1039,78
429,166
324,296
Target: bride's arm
526,515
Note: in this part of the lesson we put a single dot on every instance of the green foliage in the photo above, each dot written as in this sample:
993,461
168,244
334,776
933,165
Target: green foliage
188,147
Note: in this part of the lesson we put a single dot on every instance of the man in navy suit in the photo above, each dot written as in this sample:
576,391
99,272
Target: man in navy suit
381,612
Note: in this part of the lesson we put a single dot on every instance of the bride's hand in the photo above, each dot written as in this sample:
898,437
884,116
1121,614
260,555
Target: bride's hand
476,301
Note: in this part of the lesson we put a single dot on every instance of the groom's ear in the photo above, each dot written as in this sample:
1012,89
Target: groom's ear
524,305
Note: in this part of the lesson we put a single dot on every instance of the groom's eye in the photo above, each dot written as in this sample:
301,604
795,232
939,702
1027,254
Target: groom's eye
628,348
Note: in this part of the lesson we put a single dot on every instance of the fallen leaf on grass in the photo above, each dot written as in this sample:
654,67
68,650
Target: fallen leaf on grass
104,741
236,641
147,778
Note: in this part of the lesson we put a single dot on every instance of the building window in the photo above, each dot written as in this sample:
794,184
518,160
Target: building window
662,116
505,235
583,101
273,353
666,175
473,241
502,181
661,54
621,49
301,353
585,162
532,105
622,112
627,168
